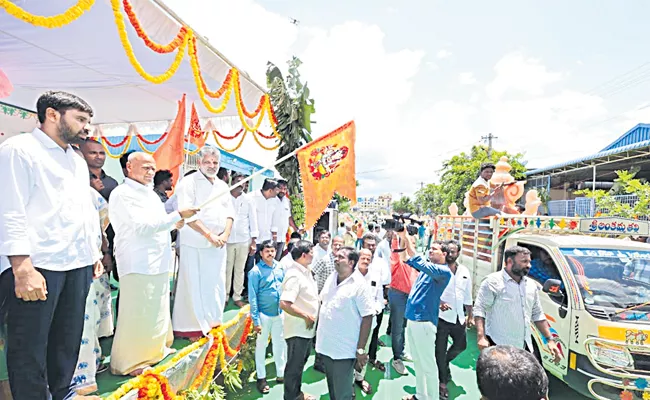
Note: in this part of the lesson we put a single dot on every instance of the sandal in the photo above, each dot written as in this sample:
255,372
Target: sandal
364,385
444,393
378,365
263,386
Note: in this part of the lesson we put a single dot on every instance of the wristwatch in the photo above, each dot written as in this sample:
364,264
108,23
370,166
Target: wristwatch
361,352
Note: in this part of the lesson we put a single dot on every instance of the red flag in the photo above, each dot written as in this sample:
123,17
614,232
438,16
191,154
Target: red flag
195,135
169,155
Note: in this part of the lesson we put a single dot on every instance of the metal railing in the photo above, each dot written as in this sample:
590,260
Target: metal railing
584,206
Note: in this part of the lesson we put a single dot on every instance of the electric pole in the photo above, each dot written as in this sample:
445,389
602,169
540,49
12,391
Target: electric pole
489,139
421,185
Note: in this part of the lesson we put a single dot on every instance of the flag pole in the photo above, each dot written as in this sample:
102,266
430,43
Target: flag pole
257,173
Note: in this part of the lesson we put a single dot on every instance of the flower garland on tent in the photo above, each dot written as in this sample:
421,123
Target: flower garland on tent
153,385
185,38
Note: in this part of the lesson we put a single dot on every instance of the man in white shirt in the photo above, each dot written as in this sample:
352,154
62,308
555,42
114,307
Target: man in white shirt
300,302
144,260
455,300
48,237
506,304
242,242
344,324
201,294
373,280
285,219
267,204
323,248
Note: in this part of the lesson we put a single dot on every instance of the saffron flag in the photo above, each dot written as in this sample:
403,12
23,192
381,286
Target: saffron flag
169,155
195,135
327,166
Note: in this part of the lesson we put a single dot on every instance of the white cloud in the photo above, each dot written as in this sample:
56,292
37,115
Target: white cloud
466,78
431,65
516,73
444,53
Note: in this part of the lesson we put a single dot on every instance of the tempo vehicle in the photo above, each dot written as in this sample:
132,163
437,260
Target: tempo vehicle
594,288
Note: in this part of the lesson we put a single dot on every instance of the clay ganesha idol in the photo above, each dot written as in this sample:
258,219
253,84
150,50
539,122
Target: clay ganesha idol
507,190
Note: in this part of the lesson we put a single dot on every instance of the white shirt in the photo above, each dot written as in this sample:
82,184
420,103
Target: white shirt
319,253
457,295
339,322
245,225
46,210
192,192
341,231
267,218
383,250
171,204
141,225
373,281
284,213
299,288
382,269
287,261
508,308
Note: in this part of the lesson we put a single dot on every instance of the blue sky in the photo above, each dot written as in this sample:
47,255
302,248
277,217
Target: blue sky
425,79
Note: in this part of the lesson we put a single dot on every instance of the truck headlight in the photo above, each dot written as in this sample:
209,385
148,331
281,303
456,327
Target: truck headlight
611,355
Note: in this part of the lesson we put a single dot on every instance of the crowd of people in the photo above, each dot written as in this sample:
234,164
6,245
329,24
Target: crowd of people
66,227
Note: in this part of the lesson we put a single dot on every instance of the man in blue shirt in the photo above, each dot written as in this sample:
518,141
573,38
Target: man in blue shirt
264,290
422,309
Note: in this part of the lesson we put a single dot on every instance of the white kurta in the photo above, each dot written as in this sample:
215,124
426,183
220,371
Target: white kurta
201,294
144,260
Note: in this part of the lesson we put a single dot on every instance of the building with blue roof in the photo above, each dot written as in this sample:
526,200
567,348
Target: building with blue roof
596,171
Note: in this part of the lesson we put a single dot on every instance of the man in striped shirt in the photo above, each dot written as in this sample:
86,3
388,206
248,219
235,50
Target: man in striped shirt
507,302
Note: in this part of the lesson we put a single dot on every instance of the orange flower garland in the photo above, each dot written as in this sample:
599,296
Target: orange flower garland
200,83
209,365
228,137
239,99
259,143
216,139
158,48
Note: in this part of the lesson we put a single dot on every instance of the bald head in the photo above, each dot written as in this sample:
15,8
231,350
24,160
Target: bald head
141,167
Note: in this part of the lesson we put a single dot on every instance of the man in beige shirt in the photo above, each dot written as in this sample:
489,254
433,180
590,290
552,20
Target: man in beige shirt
299,300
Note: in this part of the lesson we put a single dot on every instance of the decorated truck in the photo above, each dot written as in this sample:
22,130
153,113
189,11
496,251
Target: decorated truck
594,288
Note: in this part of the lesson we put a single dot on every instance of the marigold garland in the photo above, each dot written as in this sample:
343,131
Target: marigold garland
240,111
200,83
108,150
158,48
153,385
156,141
271,136
124,39
260,105
55,21
241,141
239,132
259,143
120,144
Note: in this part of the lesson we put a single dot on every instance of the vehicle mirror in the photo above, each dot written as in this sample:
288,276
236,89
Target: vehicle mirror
552,288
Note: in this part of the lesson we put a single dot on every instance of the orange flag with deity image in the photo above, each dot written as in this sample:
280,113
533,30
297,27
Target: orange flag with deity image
327,166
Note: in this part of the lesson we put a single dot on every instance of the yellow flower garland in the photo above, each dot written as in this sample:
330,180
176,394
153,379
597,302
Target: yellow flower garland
55,21
108,151
265,147
241,141
197,80
124,39
142,380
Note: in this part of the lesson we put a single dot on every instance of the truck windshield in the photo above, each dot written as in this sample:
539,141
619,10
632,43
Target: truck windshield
612,278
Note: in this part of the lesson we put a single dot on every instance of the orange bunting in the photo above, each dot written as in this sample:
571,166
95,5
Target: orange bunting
327,166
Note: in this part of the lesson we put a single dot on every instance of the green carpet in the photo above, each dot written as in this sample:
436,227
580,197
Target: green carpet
392,386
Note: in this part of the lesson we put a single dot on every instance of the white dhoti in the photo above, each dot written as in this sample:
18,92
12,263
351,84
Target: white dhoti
106,326
201,294
90,352
144,331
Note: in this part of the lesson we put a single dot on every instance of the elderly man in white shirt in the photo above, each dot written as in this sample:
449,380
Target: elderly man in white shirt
506,304
242,242
455,300
144,260
201,294
344,324
48,232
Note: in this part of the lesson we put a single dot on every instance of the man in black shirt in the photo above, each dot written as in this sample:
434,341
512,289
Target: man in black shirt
95,156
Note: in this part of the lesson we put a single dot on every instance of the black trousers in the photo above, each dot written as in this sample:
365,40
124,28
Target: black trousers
374,340
250,263
446,355
43,337
340,377
298,350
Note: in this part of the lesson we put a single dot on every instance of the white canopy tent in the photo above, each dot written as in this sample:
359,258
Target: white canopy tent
87,58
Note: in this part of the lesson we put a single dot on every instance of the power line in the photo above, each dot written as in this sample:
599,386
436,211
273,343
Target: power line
490,137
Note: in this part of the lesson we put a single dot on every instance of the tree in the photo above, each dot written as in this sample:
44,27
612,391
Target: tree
404,205
458,175
626,183
293,109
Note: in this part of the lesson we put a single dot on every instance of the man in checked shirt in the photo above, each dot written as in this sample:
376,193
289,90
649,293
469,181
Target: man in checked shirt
507,302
